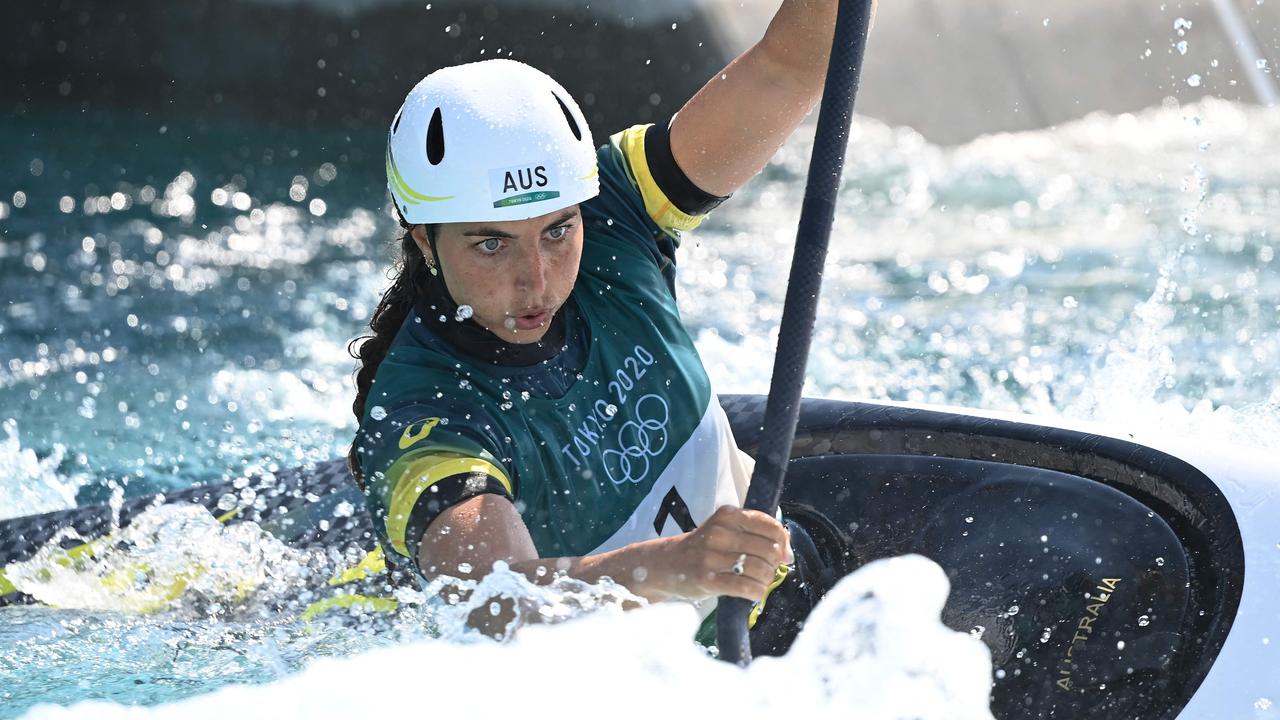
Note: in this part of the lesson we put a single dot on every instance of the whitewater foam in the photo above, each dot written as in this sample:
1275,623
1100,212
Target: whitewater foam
874,649
171,557
34,484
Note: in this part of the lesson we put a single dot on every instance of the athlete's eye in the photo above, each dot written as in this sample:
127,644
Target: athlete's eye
489,246
559,233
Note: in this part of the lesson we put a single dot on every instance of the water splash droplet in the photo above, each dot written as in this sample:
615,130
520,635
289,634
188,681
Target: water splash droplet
464,313
378,413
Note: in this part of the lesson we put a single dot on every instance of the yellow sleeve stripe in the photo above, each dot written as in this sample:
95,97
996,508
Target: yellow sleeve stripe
668,217
419,475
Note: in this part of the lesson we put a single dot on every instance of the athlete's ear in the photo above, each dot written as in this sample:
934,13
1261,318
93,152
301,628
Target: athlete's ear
419,234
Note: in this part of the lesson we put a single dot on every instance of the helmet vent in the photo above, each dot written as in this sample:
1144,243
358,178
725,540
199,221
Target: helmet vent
396,125
435,139
573,124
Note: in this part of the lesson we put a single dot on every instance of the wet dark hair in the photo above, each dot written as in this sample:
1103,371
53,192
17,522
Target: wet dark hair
410,276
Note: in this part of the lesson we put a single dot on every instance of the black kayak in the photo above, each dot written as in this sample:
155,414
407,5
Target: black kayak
1105,576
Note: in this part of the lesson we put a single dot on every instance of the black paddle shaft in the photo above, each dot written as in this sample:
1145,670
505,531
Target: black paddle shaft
800,308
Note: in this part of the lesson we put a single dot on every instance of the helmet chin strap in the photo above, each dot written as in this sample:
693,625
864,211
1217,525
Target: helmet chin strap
441,299
433,262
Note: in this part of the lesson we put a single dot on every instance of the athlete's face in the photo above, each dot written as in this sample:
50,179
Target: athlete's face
514,274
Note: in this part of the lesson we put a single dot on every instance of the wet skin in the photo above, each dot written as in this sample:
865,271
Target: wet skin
514,274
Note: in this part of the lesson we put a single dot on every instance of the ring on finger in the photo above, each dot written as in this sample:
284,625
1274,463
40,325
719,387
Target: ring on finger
740,566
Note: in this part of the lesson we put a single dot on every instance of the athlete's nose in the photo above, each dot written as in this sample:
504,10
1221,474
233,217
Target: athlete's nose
533,277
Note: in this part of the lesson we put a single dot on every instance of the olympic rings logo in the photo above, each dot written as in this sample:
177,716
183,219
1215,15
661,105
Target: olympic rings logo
638,440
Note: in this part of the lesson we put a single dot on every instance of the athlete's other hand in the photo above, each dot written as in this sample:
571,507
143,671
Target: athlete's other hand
701,563
695,565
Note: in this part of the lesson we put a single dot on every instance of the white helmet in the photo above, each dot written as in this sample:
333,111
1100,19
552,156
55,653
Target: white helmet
492,140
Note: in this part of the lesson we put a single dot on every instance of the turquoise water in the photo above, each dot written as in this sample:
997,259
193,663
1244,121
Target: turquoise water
171,338
178,298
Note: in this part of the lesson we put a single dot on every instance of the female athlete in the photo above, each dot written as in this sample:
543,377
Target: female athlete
530,393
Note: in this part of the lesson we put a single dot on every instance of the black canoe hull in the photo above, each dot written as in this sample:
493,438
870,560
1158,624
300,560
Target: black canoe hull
1043,532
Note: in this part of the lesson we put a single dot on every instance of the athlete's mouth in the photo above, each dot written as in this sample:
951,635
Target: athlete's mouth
532,319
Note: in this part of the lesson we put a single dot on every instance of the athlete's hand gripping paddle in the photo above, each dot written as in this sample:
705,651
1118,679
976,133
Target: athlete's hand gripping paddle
800,308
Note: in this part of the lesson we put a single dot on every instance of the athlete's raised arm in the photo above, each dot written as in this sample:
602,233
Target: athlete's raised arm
727,132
